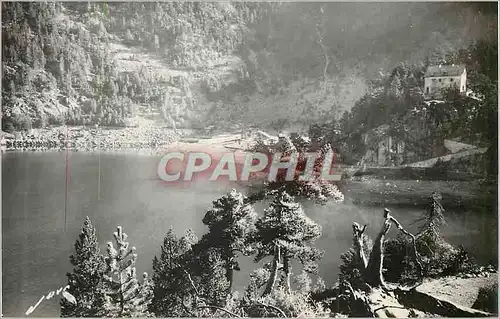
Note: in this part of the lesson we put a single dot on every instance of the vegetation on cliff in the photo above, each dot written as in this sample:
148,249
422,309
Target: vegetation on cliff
396,100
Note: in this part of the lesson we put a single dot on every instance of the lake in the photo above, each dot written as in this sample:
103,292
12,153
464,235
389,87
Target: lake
37,242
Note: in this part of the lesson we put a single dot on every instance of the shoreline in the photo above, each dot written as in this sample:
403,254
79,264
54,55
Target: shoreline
91,139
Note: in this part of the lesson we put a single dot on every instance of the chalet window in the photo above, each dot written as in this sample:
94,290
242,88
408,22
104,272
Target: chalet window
427,90
451,80
439,80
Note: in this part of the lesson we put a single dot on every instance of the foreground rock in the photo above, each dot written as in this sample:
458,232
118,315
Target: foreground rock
438,306
463,291
398,302
374,297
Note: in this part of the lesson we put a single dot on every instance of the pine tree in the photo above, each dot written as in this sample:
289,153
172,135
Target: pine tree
395,86
303,282
284,232
429,232
433,218
345,122
125,296
231,223
206,272
258,279
86,281
170,282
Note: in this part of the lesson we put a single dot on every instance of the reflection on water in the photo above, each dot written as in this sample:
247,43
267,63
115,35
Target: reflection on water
36,248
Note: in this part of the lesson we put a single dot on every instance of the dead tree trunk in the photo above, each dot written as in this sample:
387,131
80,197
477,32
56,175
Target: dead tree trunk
287,271
373,271
232,265
372,266
358,233
274,271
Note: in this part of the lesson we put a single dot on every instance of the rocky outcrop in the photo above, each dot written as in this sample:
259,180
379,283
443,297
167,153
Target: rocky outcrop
385,304
376,298
413,298
487,299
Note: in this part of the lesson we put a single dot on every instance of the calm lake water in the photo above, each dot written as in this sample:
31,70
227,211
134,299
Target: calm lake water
36,244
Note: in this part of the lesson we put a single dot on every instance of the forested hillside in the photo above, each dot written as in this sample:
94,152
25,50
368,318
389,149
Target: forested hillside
257,63
58,67
394,105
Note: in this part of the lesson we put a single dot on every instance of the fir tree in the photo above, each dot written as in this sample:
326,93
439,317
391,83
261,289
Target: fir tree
231,223
303,282
86,281
206,286
433,218
258,278
284,232
210,277
170,282
125,296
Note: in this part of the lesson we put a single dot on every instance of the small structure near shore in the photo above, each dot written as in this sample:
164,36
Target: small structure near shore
384,149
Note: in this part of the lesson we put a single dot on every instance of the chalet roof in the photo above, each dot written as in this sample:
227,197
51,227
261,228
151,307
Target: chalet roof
444,70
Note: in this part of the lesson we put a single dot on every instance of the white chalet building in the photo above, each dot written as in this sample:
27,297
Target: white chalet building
438,77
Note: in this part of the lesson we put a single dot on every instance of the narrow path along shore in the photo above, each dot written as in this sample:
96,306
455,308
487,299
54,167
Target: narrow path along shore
81,138
446,158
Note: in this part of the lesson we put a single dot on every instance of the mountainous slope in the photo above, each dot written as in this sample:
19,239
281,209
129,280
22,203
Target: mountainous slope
192,64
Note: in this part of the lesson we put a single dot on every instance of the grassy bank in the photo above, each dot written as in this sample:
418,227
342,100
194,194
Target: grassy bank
456,194
417,173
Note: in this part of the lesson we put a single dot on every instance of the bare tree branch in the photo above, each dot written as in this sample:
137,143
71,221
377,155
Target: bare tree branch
349,287
192,282
260,304
276,265
413,239
187,310
232,314
385,307
373,266
198,297
358,236
373,272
